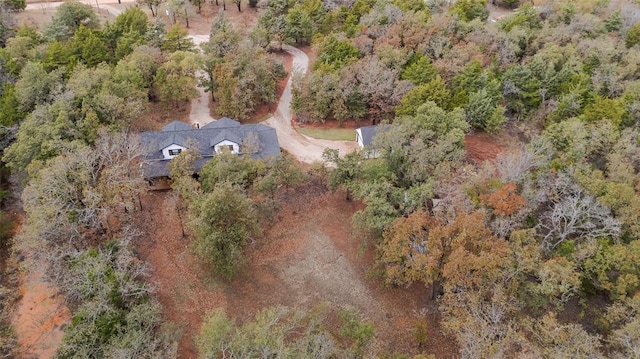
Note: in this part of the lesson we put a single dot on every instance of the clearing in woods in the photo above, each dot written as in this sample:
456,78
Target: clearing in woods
307,257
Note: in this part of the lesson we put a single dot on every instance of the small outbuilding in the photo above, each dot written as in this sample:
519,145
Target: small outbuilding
365,136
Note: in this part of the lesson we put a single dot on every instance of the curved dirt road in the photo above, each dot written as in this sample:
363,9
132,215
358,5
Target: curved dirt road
303,148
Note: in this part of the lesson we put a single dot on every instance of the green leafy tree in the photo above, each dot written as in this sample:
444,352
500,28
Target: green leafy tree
435,90
36,86
223,38
525,16
223,224
282,332
233,169
115,317
604,109
467,81
14,5
69,17
521,89
139,68
299,25
468,10
155,36
614,22
335,53
59,55
94,50
177,40
176,78
633,35
419,70
10,112
482,106
128,31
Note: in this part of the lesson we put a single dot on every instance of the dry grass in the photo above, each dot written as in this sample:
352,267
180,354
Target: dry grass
334,134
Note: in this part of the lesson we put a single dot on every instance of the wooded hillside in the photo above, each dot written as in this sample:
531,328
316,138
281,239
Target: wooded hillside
533,254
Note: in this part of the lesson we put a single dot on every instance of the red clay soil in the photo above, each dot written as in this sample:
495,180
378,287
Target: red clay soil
307,257
481,146
39,317
158,115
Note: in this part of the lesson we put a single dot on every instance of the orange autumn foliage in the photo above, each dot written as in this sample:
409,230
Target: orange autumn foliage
505,201
424,248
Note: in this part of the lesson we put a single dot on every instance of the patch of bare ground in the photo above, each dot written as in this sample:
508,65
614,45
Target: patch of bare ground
40,312
39,317
307,257
482,146
242,21
41,17
158,115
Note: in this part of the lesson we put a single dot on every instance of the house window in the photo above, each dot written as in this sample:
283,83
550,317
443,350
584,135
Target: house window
175,152
223,148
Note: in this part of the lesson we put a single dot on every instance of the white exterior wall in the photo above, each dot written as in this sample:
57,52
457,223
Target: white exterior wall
219,146
359,138
165,151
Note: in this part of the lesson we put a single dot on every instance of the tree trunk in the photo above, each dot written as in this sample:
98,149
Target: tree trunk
434,288
186,17
238,3
181,225
224,5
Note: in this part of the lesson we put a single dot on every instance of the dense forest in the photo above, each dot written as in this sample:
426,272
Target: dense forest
535,254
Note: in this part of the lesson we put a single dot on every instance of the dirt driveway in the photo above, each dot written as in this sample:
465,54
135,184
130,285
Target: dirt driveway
305,149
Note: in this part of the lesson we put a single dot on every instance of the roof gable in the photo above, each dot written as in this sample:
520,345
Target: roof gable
225,134
172,139
176,126
367,133
222,123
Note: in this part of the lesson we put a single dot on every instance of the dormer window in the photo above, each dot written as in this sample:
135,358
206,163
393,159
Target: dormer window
172,151
227,145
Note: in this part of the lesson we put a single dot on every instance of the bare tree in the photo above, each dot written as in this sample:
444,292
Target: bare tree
573,214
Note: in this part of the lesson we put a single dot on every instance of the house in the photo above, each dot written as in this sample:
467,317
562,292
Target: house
258,141
364,137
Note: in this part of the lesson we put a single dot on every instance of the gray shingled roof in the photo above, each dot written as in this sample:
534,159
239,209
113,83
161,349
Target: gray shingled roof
176,126
226,134
154,165
368,133
172,138
222,123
